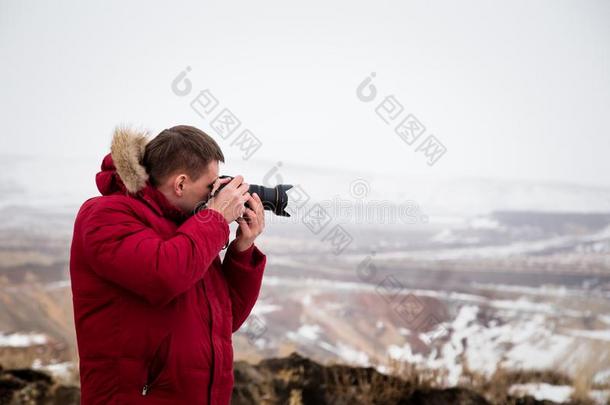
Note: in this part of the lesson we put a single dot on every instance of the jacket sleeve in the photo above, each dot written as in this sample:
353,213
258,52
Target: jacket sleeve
123,249
244,274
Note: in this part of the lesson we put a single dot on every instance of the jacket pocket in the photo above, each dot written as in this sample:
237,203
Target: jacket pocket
157,364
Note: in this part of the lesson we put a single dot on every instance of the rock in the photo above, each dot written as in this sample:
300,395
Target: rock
460,396
296,380
31,387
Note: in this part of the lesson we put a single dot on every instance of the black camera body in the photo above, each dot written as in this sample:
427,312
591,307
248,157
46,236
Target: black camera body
274,199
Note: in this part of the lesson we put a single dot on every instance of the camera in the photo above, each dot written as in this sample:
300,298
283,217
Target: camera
274,199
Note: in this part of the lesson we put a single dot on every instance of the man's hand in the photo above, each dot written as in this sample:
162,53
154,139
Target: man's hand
251,225
230,200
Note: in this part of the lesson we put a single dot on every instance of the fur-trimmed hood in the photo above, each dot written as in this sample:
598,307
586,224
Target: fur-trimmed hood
123,172
122,168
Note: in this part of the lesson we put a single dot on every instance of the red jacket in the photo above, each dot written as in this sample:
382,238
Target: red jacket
154,305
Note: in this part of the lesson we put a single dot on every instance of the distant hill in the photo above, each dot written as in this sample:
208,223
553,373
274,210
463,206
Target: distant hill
67,181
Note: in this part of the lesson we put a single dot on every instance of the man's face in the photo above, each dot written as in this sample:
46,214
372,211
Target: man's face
185,193
201,189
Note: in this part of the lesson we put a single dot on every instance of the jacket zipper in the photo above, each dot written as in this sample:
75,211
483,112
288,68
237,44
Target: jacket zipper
148,384
211,325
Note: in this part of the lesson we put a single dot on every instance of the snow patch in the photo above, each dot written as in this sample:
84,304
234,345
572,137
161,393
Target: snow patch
22,339
542,391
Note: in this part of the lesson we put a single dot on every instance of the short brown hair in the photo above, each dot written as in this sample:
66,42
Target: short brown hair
180,148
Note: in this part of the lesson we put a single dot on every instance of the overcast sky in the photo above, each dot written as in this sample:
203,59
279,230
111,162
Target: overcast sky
514,90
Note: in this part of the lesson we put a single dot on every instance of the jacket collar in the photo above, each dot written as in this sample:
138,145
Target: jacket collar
159,203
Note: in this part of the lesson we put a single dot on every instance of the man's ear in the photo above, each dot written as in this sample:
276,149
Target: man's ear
179,184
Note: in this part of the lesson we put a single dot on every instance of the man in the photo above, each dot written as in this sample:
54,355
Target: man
154,305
